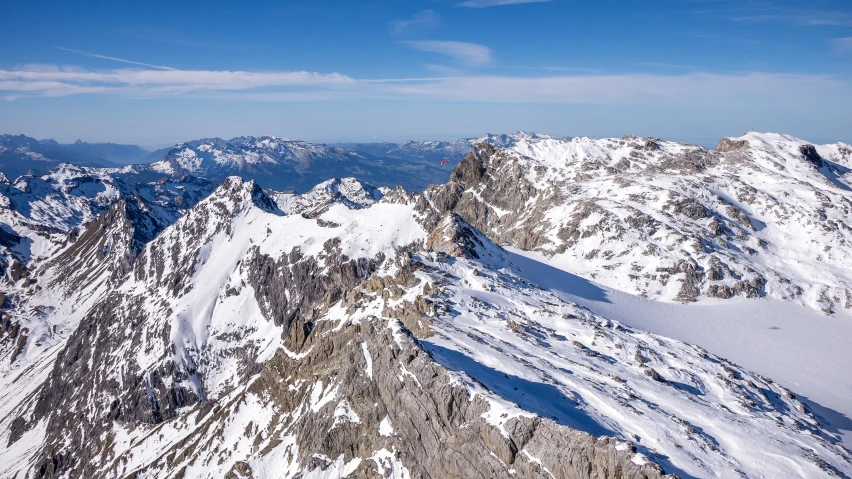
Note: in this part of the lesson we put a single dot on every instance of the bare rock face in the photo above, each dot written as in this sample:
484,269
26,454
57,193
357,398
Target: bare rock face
500,186
727,144
810,154
454,237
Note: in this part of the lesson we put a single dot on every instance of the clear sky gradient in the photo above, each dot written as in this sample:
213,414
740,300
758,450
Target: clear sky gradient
154,73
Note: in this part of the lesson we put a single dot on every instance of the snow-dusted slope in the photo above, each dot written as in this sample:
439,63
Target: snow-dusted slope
763,215
68,237
696,413
246,153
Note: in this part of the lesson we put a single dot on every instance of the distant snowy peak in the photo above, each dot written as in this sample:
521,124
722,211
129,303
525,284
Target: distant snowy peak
456,150
350,192
21,154
786,146
508,140
285,164
248,153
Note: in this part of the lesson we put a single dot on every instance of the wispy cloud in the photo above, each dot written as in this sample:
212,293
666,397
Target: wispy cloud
763,11
548,68
690,89
693,89
495,3
668,65
63,81
826,19
469,53
420,21
115,59
842,45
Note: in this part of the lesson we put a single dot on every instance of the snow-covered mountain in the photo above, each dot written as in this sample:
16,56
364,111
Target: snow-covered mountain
21,154
43,219
115,153
356,331
280,163
761,215
284,164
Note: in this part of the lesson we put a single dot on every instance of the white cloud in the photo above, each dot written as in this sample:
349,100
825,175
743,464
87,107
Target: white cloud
842,45
691,89
61,82
655,90
470,53
495,3
420,21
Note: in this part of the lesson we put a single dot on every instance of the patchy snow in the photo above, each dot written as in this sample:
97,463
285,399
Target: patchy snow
344,413
320,397
389,466
536,460
369,359
336,469
385,428
641,214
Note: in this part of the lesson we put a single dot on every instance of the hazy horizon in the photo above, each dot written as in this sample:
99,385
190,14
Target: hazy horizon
706,142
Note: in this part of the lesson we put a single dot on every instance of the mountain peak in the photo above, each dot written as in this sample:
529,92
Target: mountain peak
455,237
240,192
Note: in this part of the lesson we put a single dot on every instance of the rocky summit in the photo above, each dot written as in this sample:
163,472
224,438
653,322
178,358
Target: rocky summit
158,324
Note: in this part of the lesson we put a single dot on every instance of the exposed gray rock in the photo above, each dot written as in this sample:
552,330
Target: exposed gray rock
454,237
810,154
727,144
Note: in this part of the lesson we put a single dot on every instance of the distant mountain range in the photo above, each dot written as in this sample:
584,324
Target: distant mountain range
20,154
432,151
278,163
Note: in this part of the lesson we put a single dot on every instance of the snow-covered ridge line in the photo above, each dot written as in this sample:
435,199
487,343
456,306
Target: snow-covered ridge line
764,214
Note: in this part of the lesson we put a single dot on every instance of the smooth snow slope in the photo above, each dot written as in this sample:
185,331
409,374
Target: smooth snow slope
795,345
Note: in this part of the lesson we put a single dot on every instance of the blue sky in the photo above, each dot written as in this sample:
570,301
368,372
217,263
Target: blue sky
691,70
